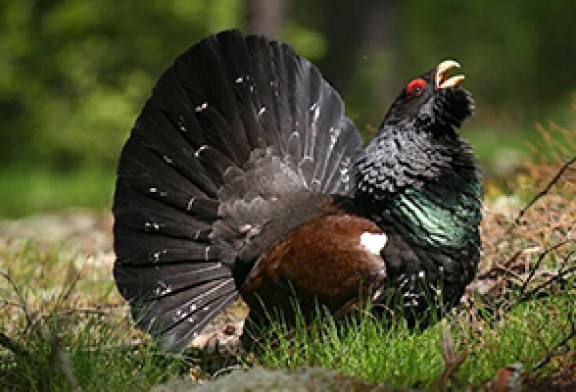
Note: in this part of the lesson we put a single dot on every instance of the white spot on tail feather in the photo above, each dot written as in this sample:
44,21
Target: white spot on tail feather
373,242
199,151
201,107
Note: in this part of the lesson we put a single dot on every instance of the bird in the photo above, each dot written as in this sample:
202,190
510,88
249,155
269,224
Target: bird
242,177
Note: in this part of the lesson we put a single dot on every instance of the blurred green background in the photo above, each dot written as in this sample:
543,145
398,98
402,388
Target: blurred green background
75,73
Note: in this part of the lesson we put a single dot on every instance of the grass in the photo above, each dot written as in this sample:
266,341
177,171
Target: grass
391,353
98,363
366,348
73,311
71,320
63,326
103,357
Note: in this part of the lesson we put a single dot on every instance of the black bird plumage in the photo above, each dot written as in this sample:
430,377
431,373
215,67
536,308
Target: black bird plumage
242,175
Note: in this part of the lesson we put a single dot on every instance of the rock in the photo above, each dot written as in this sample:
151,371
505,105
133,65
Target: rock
260,379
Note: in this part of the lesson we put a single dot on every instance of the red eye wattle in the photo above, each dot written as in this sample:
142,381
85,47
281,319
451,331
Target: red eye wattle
415,87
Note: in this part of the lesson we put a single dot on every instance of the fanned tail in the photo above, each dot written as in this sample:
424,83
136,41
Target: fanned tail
190,205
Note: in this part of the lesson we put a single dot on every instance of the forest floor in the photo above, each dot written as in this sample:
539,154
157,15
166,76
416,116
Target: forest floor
63,325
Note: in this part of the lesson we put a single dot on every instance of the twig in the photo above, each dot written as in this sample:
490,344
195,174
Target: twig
452,361
500,267
63,359
546,189
549,282
62,356
539,262
552,353
226,370
65,294
52,339
13,346
23,304
504,270
95,311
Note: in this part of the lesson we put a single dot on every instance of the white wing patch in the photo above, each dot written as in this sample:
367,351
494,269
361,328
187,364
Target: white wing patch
373,242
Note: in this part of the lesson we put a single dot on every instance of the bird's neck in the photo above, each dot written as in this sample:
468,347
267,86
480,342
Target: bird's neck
423,185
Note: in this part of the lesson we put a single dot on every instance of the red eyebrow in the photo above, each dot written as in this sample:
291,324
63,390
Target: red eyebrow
416,83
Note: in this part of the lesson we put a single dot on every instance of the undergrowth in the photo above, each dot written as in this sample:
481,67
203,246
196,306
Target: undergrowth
378,352
64,327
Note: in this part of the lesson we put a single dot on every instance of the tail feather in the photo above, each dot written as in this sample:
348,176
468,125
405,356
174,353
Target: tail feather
187,304
176,318
140,248
174,151
138,158
173,278
339,168
179,334
239,134
268,98
204,74
214,162
145,214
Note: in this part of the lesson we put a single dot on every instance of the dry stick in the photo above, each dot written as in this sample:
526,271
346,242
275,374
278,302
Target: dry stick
569,256
65,362
539,262
11,345
549,282
533,270
65,294
546,189
63,357
226,370
54,340
452,361
23,304
572,334
526,294
552,353
100,311
500,267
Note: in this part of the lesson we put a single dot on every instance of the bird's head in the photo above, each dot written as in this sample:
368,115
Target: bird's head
417,143
433,99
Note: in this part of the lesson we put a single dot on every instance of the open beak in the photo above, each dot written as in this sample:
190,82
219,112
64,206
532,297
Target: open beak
442,78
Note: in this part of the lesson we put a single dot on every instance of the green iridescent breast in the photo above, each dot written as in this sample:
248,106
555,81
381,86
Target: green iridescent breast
439,215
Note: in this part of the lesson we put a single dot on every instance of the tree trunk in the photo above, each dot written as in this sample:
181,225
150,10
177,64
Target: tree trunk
266,16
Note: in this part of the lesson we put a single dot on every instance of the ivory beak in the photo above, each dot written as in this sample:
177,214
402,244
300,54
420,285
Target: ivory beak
442,75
